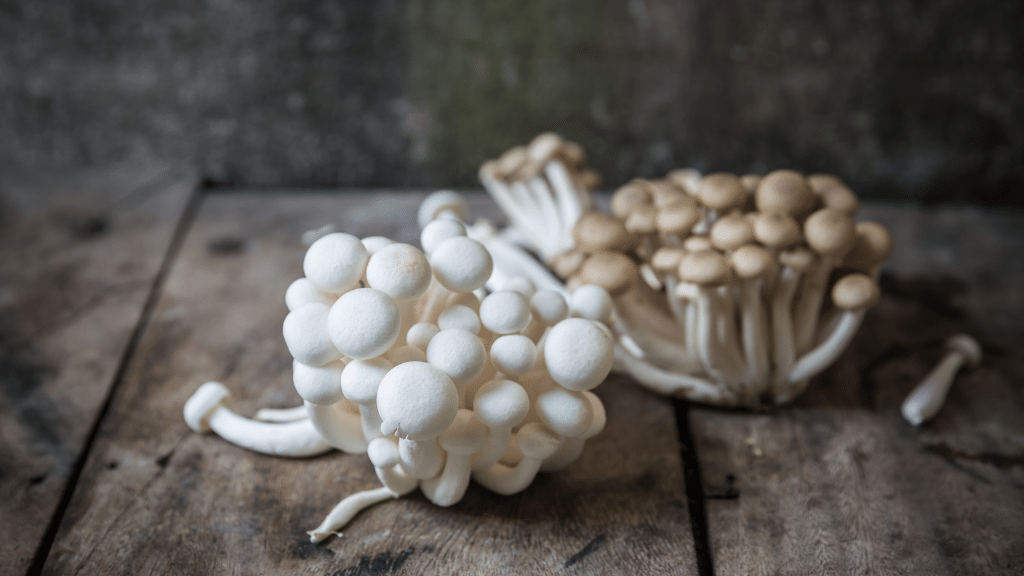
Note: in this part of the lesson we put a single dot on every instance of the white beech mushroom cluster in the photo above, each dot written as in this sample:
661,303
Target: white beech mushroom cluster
400,354
727,290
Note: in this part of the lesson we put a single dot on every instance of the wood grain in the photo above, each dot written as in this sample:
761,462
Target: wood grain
840,483
78,257
155,498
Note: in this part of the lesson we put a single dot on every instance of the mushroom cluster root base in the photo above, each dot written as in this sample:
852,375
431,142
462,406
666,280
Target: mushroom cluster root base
727,290
437,364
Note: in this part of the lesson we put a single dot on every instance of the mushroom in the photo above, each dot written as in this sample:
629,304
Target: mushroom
500,404
927,398
205,411
701,273
466,435
794,263
442,204
359,383
335,262
785,191
513,354
306,333
505,312
536,444
720,192
830,233
302,292
752,264
834,194
364,323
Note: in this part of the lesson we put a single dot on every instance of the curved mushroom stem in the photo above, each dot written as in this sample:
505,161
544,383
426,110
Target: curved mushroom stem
346,510
782,327
556,235
421,459
816,360
205,411
927,398
282,414
671,383
450,486
513,261
570,199
341,428
755,336
808,304
493,450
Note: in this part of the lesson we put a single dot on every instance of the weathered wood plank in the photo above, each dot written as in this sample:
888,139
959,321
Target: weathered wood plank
78,257
157,498
840,483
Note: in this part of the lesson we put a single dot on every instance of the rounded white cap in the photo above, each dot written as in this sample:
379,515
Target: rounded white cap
417,400
578,354
307,337
458,353
336,262
361,378
461,264
513,354
364,323
501,403
319,385
505,312
399,270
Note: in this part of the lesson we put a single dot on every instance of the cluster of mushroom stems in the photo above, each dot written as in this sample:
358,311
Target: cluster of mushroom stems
404,355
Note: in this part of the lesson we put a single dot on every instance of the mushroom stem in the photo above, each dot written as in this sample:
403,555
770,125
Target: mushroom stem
421,459
783,353
346,510
341,428
927,398
570,205
282,414
670,383
497,442
808,305
755,336
728,338
816,360
560,237
450,486
536,443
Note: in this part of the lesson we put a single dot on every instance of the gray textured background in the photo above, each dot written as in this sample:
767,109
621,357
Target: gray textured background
920,100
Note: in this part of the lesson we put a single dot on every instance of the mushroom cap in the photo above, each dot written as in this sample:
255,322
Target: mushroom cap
751,261
461,264
458,353
467,299
466,435
418,400
578,354
360,379
642,220
565,412
374,243
678,219
399,270
686,178
511,160
614,272
785,191
798,258
544,147
459,316
776,229
706,268
203,402
597,231
319,385
590,179
855,292
871,247
513,354
829,232
536,442
697,244
750,182
842,199
335,262
573,154
490,169
307,336
731,231
419,334
629,197
438,231
592,302
966,345
666,193
721,191
821,182
568,263
505,312
438,202
501,403
364,323
667,258
302,292
548,307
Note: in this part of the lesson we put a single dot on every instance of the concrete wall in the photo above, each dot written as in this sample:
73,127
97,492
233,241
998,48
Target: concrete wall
921,100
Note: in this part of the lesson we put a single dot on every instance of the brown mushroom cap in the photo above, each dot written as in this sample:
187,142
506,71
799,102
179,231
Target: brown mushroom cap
643,220
666,259
842,199
678,219
751,261
799,258
628,197
490,169
707,268
731,231
597,231
527,170
568,263
612,271
855,292
544,147
668,194
829,232
821,182
697,244
721,191
590,179
688,179
750,182
511,160
785,191
776,229
871,247
573,155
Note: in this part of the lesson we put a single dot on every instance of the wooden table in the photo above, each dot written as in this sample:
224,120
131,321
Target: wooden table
124,289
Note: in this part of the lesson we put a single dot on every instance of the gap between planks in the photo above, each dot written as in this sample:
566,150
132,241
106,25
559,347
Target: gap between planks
185,222
695,497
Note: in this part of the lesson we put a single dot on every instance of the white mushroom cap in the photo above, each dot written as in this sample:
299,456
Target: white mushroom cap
521,285
364,323
417,400
501,403
399,270
466,435
855,292
419,335
461,264
565,412
373,244
438,231
459,317
505,312
307,336
549,307
966,345
458,353
319,385
578,354
591,302
686,178
361,378
302,292
336,262
438,202
513,354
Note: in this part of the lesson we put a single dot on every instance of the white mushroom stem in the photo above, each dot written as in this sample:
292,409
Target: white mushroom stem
282,414
421,459
342,428
671,383
807,308
570,203
502,195
497,441
560,236
205,411
755,335
783,352
927,398
536,443
513,261
450,486
727,333
347,509
819,358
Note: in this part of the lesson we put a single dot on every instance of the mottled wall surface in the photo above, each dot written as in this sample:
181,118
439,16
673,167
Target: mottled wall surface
921,100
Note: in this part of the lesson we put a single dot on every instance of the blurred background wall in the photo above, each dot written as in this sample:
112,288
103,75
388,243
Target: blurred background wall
919,100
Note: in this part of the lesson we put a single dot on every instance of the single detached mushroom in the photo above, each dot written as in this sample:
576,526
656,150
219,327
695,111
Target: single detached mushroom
925,401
